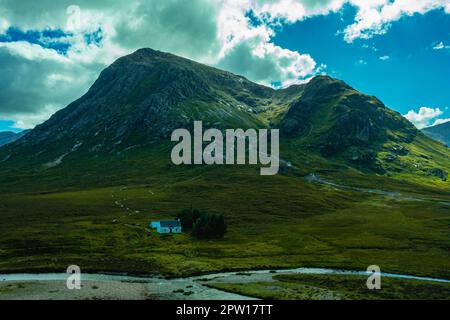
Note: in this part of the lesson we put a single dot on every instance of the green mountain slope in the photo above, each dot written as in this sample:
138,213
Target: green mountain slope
439,132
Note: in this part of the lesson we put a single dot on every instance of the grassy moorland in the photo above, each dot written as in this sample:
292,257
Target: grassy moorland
331,287
78,214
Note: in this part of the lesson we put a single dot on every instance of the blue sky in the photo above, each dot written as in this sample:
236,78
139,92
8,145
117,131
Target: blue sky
400,67
47,38
399,51
8,125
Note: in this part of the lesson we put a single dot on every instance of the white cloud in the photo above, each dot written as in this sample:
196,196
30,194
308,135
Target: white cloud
441,46
36,82
32,52
291,11
265,62
440,121
422,118
384,58
374,17
362,62
373,48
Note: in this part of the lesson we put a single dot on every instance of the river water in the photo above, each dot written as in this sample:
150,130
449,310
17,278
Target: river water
194,287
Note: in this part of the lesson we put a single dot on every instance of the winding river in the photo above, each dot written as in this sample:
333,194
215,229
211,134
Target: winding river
191,288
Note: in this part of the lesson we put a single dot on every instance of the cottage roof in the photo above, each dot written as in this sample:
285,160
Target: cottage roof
170,224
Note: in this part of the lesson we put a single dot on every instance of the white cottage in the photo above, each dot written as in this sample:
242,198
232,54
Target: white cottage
168,226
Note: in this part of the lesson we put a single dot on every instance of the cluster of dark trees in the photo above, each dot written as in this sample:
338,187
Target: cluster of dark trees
204,225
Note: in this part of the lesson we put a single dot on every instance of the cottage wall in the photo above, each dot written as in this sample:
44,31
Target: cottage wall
157,225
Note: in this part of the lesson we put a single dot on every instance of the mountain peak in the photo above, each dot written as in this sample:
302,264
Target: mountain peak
145,54
325,85
322,78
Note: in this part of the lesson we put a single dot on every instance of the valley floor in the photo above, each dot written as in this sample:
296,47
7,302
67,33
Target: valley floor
283,222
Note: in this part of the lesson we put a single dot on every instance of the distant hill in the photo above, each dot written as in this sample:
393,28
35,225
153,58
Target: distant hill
440,132
8,136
